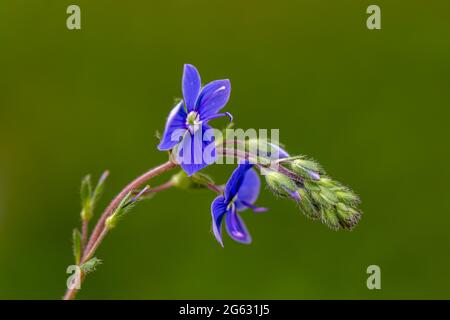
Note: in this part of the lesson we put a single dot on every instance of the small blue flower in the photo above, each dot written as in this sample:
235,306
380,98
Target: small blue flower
241,192
187,122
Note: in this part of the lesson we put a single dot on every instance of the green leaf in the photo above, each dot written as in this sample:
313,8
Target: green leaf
90,265
99,188
86,190
198,180
76,245
120,211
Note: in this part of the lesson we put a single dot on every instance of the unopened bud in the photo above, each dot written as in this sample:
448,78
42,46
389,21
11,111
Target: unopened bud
111,222
282,185
197,181
307,169
306,204
181,180
329,217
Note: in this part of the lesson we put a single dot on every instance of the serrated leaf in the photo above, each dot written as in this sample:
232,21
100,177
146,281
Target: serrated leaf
90,265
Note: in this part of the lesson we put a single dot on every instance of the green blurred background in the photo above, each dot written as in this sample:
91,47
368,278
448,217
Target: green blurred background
371,106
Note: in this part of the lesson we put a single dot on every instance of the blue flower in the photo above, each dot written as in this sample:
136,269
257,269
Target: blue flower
187,122
241,192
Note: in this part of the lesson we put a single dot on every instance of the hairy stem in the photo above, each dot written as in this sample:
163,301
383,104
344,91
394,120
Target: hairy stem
100,230
84,232
164,186
136,183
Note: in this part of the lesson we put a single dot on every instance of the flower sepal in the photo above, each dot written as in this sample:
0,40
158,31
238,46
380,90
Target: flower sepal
198,180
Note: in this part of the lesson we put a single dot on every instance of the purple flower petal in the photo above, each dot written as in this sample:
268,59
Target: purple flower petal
248,191
314,175
196,151
191,86
236,227
176,123
213,97
218,209
234,183
294,194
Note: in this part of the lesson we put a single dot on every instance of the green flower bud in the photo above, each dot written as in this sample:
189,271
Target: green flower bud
111,222
306,167
282,185
348,217
197,181
347,196
330,218
201,180
306,204
125,204
311,186
181,180
326,182
328,196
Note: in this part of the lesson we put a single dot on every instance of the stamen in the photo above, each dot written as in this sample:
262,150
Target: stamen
253,207
136,197
219,115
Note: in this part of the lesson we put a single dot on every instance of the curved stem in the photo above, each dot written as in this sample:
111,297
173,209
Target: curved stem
164,186
100,230
136,183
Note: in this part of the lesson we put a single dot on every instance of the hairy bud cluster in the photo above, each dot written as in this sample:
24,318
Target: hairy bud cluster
318,196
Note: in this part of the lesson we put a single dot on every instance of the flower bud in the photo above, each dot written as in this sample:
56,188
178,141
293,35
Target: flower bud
347,196
306,204
111,221
282,185
307,169
348,217
330,218
197,181
181,180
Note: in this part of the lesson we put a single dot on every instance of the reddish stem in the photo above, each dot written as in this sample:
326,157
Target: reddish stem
100,231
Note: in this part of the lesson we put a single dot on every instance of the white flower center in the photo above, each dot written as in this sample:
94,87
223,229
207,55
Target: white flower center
193,121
